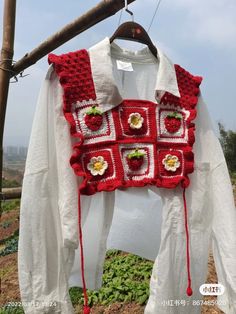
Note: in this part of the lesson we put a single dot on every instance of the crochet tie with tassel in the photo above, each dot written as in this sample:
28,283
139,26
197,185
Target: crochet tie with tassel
189,289
86,308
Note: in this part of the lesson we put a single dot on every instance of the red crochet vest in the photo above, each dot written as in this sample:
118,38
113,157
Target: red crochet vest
139,142
136,143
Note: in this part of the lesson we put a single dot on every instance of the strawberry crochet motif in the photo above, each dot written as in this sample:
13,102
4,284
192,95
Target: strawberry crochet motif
93,119
135,160
173,122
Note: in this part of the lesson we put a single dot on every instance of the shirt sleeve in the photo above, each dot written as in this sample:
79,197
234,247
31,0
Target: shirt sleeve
48,221
212,220
222,205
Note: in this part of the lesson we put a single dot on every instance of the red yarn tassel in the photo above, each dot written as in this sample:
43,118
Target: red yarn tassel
86,308
189,290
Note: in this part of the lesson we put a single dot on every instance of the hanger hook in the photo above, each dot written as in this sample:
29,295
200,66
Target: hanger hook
128,11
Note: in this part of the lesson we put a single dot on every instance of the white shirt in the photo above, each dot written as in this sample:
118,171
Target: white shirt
145,221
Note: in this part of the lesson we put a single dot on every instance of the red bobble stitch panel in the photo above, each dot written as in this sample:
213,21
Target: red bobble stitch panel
75,75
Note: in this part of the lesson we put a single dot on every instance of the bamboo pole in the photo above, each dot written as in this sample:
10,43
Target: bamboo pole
100,12
5,66
11,193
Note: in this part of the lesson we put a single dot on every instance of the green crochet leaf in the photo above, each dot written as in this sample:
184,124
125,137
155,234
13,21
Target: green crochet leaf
136,154
94,111
175,115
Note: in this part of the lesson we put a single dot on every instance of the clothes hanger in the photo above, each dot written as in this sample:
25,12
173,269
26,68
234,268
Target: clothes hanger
133,31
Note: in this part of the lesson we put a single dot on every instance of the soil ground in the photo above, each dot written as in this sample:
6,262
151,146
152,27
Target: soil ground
10,288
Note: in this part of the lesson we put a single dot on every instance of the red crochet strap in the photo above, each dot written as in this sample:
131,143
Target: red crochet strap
86,309
75,75
189,288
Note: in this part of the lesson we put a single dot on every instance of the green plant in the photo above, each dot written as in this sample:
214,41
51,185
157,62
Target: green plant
10,183
6,224
11,246
10,309
233,177
10,205
12,236
76,294
228,143
125,279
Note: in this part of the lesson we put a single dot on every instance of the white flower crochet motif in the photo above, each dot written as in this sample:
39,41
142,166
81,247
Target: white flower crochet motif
171,162
135,120
97,166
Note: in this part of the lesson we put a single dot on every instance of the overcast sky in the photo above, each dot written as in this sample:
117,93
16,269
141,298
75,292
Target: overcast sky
197,34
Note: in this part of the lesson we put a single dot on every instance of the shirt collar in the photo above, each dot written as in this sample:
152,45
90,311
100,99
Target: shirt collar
107,92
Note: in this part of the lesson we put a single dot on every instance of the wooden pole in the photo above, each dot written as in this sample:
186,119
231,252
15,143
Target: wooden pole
100,12
5,66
